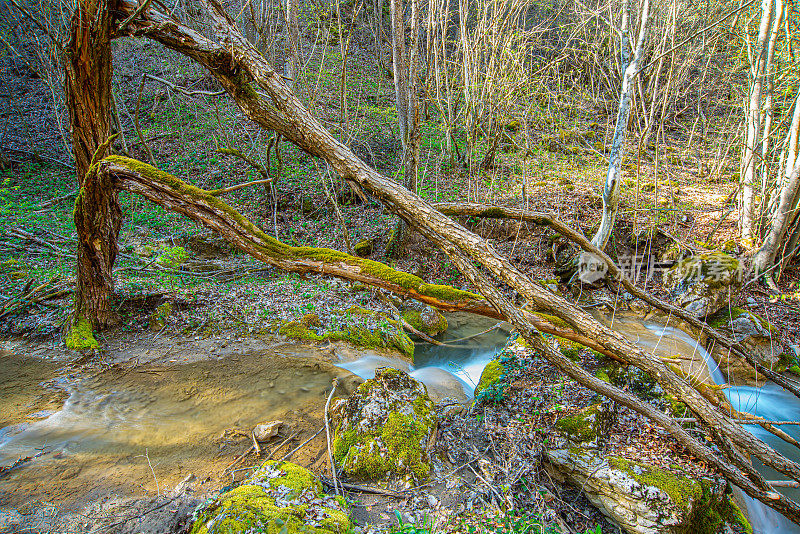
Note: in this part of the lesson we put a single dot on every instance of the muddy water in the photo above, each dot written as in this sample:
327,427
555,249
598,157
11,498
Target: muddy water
137,430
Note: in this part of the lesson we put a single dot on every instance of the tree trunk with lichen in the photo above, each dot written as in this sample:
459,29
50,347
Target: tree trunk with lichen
97,213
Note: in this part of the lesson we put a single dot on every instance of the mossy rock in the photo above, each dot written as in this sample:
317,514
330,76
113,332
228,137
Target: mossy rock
392,338
280,497
427,320
158,319
588,426
385,429
757,336
645,499
702,284
491,376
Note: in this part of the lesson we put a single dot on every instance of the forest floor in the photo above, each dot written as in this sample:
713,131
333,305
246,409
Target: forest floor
226,304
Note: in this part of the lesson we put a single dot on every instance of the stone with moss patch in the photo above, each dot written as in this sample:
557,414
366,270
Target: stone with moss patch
360,327
81,336
491,376
425,319
702,284
644,499
385,428
757,336
280,497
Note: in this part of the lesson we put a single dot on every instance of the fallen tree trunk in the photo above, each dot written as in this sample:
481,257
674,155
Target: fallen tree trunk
205,208
235,62
470,209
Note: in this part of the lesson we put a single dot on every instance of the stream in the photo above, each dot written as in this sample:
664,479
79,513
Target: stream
134,430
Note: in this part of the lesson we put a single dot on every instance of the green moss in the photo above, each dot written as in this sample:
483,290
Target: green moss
491,375
81,336
276,253
431,327
396,446
552,319
681,490
602,374
252,507
581,427
363,247
359,336
570,349
738,517
795,369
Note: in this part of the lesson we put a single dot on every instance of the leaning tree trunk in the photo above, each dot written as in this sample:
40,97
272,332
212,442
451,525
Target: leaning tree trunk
235,62
403,103
97,213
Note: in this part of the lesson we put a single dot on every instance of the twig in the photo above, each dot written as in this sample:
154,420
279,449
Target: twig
39,156
784,483
137,516
362,489
146,455
291,452
281,444
217,192
247,159
328,435
145,146
239,458
22,234
255,443
183,90
741,421
52,202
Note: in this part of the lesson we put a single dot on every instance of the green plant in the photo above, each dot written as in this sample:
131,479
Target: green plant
425,527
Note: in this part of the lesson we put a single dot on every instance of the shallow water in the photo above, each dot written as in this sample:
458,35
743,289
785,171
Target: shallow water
130,431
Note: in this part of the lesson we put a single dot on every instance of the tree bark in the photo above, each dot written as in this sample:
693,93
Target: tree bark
97,214
786,206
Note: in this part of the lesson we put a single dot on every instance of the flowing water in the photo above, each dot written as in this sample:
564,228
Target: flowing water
126,430
452,370
771,402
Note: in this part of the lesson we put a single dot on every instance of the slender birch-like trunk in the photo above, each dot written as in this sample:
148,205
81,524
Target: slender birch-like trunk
630,68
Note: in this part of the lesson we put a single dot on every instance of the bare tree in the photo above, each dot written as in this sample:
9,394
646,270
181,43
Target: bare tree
630,57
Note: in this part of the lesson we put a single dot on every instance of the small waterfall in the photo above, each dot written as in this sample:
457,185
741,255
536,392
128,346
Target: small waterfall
770,402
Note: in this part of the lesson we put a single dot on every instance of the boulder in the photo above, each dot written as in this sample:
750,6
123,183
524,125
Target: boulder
385,428
491,376
642,499
589,426
757,336
278,497
702,284
426,319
